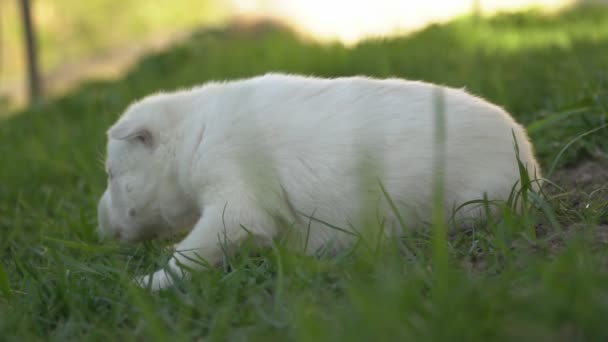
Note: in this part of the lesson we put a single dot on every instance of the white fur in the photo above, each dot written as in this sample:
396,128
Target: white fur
285,153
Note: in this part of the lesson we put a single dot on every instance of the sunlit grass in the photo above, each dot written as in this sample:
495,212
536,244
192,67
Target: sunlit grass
78,34
513,33
349,22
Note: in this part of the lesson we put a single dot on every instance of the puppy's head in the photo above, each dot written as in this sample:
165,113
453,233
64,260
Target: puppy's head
142,199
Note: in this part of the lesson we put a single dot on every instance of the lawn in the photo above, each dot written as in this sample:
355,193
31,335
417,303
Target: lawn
540,275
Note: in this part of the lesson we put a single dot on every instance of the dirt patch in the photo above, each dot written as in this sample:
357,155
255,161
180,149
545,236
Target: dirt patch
580,204
583,197
587,176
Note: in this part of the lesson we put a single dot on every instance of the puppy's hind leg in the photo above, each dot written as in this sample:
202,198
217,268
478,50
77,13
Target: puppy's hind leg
220,226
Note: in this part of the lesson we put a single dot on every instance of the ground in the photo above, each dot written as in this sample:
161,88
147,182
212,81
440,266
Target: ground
586,175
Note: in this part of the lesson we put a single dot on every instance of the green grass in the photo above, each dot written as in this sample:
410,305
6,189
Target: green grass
542,275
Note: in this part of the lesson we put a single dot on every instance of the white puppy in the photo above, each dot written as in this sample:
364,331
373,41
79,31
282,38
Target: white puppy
283,153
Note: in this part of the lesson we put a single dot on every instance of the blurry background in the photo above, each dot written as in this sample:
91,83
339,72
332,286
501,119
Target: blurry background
79,40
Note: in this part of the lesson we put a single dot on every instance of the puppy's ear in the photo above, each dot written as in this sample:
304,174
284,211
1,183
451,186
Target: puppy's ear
132,130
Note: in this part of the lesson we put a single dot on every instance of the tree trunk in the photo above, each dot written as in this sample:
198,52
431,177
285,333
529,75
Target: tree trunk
34,86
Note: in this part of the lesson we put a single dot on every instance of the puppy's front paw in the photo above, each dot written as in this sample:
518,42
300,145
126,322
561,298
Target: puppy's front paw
159,280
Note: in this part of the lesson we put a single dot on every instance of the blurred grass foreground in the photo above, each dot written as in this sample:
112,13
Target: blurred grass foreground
538,276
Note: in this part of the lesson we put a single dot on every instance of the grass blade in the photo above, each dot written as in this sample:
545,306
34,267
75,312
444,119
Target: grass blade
439,238
545,122
4,284
570,143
